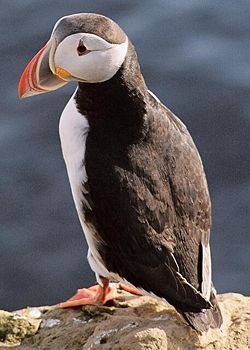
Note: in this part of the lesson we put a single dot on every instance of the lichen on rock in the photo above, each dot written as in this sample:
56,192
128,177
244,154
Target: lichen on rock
136,323
16,326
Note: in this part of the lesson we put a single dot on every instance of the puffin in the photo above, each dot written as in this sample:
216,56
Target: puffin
136,176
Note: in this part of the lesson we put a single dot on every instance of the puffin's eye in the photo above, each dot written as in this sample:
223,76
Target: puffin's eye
81,49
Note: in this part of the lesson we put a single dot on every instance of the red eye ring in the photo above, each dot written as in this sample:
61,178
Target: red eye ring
81,49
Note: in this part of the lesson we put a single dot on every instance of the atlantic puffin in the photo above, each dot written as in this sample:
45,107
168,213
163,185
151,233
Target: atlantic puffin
136,176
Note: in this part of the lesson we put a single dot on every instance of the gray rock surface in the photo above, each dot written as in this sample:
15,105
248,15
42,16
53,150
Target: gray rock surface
132,324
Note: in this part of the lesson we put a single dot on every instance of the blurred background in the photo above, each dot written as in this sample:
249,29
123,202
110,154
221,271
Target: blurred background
195,56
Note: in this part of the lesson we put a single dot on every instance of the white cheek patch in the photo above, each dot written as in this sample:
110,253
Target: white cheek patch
100,64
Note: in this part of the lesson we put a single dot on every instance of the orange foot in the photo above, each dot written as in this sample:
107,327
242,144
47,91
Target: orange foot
97,295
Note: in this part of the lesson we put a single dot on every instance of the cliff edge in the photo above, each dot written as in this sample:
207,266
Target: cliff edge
134,323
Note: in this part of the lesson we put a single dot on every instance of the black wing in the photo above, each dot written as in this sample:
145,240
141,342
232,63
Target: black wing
153,222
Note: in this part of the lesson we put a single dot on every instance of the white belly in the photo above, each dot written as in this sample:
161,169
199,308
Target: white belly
73,130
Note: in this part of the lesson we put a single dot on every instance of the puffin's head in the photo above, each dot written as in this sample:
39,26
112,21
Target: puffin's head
85,47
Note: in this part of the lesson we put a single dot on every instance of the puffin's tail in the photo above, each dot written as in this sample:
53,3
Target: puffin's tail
208,318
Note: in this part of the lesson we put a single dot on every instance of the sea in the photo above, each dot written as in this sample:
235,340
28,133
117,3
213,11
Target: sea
195,56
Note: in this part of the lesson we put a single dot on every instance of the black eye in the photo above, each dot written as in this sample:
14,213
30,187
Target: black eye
81,49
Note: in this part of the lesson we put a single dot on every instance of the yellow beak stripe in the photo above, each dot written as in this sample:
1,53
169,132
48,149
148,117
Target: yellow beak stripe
62,73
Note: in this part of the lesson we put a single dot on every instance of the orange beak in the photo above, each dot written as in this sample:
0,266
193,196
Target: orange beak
28,82
40,76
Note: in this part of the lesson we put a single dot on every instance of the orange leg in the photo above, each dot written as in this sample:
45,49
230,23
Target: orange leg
97,295
130,290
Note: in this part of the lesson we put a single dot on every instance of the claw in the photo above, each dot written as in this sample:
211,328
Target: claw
97,295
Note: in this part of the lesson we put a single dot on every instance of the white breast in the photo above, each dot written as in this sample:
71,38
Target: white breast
73,130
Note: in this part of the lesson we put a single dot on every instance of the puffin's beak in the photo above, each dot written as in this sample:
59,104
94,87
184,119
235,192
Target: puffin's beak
40,75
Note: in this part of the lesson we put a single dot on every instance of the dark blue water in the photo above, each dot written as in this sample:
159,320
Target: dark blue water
195,56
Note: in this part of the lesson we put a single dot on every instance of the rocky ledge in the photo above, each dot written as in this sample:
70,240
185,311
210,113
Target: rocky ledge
132,324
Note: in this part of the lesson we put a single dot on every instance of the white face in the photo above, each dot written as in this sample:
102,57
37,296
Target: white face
88,58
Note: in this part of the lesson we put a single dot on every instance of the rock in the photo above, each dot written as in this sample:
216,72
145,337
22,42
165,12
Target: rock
134,323
15,326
